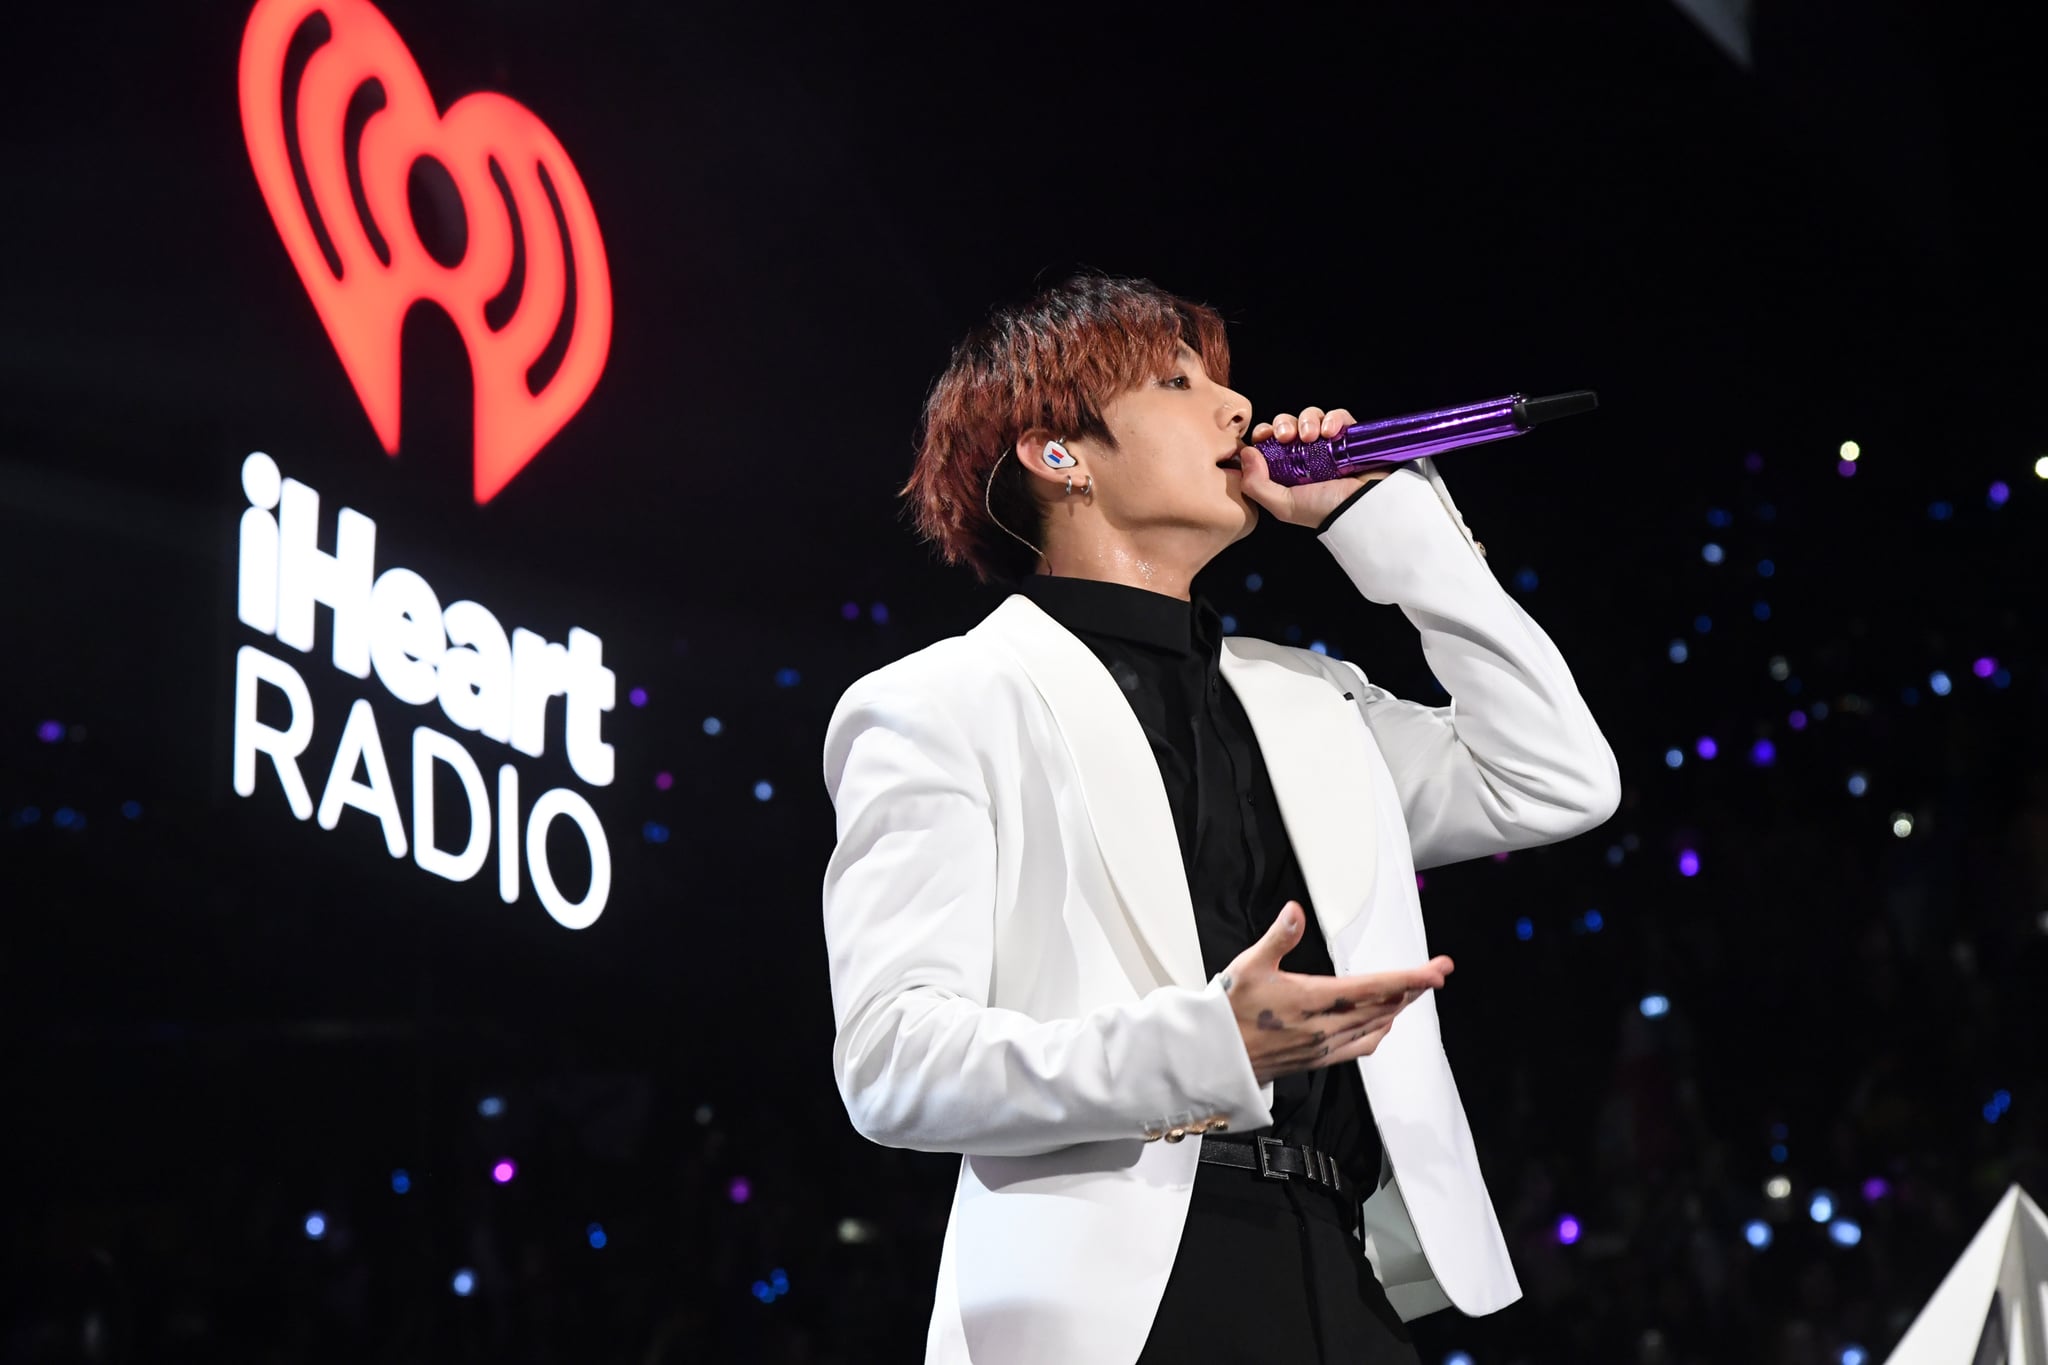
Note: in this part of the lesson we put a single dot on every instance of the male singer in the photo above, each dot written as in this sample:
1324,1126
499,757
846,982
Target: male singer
1124,910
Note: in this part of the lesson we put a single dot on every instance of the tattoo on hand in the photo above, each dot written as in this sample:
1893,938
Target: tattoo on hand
1270,1020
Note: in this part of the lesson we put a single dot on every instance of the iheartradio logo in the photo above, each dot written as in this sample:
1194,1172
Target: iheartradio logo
531,293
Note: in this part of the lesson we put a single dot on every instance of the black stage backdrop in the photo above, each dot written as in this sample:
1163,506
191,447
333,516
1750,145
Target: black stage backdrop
222,1021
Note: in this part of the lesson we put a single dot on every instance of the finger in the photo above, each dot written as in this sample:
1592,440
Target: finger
1263,431
1310,424
1284,427
1341,993
1285,931
1363,1046
1336,419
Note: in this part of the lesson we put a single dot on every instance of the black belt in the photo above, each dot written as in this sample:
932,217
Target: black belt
1276,1160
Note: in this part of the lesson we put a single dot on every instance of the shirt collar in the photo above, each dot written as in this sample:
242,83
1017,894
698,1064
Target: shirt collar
1091,606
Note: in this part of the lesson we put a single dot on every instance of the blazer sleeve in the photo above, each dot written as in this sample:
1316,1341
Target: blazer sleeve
1516,758
921,1058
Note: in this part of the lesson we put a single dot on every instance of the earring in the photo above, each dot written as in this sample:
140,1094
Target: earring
1056,455
1086,488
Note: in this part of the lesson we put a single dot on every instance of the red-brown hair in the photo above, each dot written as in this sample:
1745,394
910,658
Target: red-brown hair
1052,362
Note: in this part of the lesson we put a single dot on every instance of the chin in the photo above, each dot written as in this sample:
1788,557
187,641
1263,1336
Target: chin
1250,521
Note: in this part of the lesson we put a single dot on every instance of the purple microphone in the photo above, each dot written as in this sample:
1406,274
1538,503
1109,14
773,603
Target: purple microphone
1373,445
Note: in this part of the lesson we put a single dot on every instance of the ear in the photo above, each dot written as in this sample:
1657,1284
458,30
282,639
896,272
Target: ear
1031,455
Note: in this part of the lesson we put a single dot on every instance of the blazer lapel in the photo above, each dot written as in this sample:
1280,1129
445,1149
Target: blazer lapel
1119,780
1319,756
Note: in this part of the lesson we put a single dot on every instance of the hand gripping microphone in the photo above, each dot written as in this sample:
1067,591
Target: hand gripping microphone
1392,440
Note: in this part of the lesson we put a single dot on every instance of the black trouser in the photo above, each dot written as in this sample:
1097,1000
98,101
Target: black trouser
1268,1274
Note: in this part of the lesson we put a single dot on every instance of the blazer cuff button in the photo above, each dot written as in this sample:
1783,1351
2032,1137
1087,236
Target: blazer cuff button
1176,1134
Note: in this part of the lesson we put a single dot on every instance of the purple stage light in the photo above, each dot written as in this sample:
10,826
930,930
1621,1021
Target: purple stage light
50,731
1419,883
1797,720
1984,667
1706,748
1688,864
1763,753
638,696
1567,1230
1998,494
850,611
1876,1188
1846,468
503,1172
739,1190
663,781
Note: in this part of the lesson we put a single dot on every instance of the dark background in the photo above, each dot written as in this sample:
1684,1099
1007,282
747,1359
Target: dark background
219,1020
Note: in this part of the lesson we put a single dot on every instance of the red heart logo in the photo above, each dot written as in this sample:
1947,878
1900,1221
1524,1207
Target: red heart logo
534,266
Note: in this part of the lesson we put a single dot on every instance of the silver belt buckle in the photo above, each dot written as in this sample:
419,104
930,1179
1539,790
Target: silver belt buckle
1264,1145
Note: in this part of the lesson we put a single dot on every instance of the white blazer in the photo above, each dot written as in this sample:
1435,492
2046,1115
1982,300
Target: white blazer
1015,970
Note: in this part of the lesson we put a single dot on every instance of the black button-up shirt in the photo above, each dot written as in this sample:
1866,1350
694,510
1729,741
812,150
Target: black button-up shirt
1165,654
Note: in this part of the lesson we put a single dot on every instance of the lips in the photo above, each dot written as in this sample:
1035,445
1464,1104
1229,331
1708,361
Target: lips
1230,461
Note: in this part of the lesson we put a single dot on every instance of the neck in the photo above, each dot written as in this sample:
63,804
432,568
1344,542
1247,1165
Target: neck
1163,562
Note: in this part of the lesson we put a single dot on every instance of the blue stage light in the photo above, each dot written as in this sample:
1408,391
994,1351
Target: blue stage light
654,832
1845,1232
1654,1006
879,614
763,790
1702,624
1674,758
316,1226
464,1283
1940,511
1761,611
1253,582
1677,653
1765,568
1853,1355
1779,1154
491,1106
401,1181
1821,1207
1229,624
1858,784
1458,1358
1318,647
1712,553
1718,516
1939,683
1525,929
1594,921
712,725
594,1234
1525,579
1757,1233
132,809
787,677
